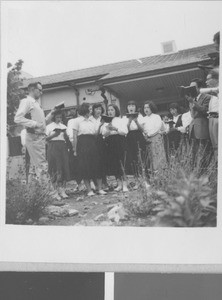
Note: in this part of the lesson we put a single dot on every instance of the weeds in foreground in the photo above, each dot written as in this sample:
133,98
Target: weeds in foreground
25,202
181,194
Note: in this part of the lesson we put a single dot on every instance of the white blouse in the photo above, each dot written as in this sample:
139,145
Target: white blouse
96,122
118,123
214,104
152,124
50,131
133,125
186,120
84,126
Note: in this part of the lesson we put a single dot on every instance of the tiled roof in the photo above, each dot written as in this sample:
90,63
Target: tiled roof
134,66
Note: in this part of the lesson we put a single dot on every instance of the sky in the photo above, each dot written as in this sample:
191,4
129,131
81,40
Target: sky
57,36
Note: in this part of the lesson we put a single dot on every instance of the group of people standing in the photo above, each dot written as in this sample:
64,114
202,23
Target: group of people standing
199,125
94,145
110,145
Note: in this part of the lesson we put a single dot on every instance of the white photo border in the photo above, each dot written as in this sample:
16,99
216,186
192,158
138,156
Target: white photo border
104,248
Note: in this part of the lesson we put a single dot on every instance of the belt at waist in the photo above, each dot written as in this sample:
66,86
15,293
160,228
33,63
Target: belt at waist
213,115
33,131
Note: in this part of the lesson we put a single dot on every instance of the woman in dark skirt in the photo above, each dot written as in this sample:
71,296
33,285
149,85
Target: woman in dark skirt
115,137
85,146
57,153
135,139
97,111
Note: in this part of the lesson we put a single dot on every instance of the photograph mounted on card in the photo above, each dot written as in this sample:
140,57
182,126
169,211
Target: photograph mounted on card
83,191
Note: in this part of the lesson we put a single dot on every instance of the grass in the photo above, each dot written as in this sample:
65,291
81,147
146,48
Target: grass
182,193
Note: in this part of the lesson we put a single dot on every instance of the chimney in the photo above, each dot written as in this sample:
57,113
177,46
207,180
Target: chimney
168,47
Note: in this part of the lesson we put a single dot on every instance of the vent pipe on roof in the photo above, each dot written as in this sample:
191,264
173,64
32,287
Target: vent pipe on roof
168,47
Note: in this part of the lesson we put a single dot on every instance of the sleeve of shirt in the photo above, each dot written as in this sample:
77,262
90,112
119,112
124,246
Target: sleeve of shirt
24,108
140,119
186,120
75,124
48,129
69,130
122,127
104,130
158,124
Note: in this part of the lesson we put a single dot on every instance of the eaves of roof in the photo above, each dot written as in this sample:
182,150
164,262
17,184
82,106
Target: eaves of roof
131,68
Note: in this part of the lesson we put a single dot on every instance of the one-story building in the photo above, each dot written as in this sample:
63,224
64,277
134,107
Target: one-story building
153,78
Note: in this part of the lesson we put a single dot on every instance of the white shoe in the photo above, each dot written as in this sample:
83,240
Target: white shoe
101,192
125,189
91,193
92,185
118,189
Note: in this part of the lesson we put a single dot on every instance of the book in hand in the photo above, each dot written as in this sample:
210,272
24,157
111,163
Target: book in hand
190,91
60,105
106,119
59,130
171,123
133,115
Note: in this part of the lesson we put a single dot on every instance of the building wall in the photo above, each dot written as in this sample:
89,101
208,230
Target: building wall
87,94
51,97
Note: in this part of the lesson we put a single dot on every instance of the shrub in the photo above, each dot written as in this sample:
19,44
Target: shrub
25,202
192,203
182,193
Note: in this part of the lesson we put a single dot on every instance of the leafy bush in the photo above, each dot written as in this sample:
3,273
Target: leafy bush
193,203
25,202
183,193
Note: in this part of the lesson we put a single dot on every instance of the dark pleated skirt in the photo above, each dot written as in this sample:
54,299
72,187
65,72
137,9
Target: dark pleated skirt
116,154
102,152
174,138
135,142
87,156
58,161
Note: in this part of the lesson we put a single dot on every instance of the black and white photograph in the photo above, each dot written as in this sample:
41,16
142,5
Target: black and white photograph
110,119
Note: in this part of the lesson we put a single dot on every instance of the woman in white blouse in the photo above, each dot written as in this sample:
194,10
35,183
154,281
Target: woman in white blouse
84,145
97,112
115,137
57,153
135,139
152,126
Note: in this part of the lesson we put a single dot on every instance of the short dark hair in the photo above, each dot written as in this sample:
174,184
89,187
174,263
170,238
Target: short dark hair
97,105
216,38
175,106
214,73
34,85
83,109
131,102
56,113
152,106
200,83
117,111
165,115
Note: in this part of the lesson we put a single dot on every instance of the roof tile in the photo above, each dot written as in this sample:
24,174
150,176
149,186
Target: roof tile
124,68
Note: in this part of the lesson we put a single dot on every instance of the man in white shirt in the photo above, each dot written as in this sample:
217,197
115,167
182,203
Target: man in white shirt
31,115
212,82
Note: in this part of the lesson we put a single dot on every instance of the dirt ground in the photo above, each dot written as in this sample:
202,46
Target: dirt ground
93,211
